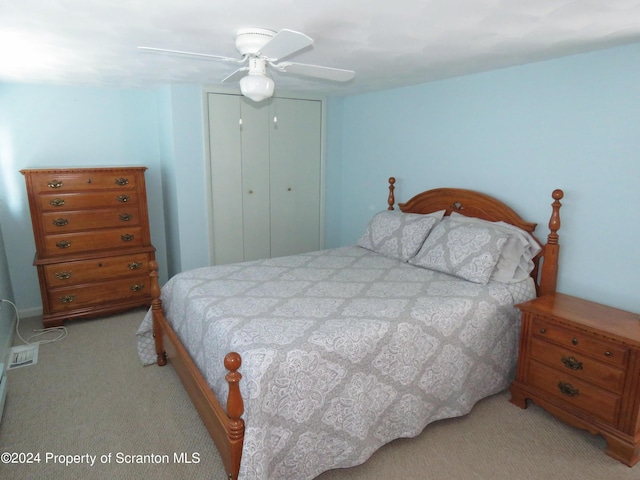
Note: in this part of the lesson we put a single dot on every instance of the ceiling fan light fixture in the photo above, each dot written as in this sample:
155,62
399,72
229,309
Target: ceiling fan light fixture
257,87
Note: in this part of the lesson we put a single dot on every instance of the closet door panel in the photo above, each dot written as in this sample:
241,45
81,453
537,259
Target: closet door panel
226,178
255,179
295,176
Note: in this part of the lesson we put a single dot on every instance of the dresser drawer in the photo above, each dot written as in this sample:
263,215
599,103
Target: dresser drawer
67,274
579,342
571,390
578,365
72,298
114,238
59,222
80,201
60,182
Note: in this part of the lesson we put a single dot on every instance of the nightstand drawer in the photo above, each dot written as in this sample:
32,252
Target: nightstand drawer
580,342
578,365
571,390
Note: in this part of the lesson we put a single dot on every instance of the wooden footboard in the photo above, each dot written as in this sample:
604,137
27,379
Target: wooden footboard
225,427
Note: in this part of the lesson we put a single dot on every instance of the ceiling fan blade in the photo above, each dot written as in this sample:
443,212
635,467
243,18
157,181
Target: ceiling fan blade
285,43
326,73
193,54
237,75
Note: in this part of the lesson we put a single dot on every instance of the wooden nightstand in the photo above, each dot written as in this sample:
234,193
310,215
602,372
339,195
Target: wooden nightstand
580,361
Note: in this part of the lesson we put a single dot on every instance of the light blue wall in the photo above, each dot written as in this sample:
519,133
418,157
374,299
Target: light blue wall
7,311
183,177
517,134
43,126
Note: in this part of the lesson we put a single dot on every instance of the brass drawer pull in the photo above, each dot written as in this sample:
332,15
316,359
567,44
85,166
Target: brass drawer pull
135,265
127,237
67,299
572,363
56,202
543,330
574,341
122,181
63,244
54,184
607,353
62,275
136,287
123,198
125,217
568,389
60,222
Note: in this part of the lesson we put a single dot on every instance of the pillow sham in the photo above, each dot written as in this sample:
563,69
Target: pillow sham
516,261
465,250
398,235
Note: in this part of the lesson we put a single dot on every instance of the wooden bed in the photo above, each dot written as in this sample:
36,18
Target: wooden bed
226,426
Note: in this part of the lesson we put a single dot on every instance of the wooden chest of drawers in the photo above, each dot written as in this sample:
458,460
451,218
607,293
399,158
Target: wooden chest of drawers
93,245
581,362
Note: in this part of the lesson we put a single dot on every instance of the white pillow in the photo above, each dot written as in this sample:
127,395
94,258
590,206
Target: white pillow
516,260
466,250
397,234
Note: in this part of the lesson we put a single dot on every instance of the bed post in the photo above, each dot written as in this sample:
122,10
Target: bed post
392,198
156,311
235,409
549,274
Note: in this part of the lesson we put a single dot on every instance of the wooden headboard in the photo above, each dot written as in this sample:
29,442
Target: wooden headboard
480,205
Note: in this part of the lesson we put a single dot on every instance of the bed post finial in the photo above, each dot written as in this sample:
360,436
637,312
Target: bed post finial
549,275
156,310
392,198
554,221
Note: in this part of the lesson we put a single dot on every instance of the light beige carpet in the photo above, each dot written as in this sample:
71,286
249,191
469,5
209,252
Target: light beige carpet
89,395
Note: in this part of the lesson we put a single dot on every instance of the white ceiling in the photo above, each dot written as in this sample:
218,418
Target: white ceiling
388,43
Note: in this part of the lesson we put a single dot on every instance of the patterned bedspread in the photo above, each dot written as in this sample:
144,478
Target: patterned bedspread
343,351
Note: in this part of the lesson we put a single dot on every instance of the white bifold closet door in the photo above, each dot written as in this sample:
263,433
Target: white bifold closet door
265,176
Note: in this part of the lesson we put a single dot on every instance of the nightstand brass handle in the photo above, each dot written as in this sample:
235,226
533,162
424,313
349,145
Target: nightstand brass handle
60,222
568,389
125,217
122,181
62,275
543,330
54,184
607,353
135,265
56,202
123,198
127,237
572,363
67,299
574,341
137,287
63,244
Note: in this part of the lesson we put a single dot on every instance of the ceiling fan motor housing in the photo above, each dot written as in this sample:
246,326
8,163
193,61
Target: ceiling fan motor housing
249,41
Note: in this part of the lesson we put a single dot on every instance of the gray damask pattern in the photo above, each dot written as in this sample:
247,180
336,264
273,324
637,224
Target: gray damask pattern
465,250
343,350
396,234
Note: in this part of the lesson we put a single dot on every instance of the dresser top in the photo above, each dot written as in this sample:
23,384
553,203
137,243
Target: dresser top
82,169
607,321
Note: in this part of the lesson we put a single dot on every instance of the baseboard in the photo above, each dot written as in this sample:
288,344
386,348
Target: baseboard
31,312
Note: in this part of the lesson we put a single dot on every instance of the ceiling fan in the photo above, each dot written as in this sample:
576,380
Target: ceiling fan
262,49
